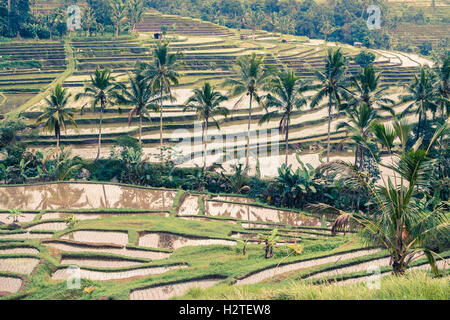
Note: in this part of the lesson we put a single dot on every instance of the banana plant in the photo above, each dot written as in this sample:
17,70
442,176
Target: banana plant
244,243
14,214
270,242
71,221
296,185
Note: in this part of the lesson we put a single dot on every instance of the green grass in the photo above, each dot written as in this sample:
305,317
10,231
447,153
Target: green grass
416,285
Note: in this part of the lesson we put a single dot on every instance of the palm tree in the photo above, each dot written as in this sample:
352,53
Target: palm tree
422,95
118,13
367,83
254,19
206,103
357,126
283,23
400,223
333,83
161,75
442,71
253,76
100,89
88,20
56,112
135,12
286,95
140,96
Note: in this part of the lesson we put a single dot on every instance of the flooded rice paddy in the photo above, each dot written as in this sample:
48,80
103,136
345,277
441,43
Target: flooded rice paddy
105,237
99,262
10,284
277,270
84,196
64,274
164,240
94,216
18,265
19,250
127,252
255,213
165,292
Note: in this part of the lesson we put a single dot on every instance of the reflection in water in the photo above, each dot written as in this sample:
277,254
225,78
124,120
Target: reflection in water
83,196
254,213
91,216
234,199
189,206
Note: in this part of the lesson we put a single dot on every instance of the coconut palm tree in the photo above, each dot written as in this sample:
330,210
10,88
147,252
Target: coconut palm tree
357,126
162,74
333,81
254,19
206,103
135,12
140,96
367,83
442,85
400,222
253,76
118,13
56,113
422,96
100,90
286,95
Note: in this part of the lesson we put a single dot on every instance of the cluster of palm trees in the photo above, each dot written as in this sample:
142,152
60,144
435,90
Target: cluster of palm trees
280,93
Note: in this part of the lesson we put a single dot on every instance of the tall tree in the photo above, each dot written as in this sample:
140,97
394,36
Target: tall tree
286,95
254,76
253,19
140,96
442,71
100,90
206,103
333,82
367,84
57,112
118,13
357,125
135,12
162,74
422,96
400,223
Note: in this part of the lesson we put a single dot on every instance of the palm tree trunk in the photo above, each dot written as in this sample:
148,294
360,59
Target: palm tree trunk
100,132
204,132
361,166
140,129
58,138
248,131
287,143
329,129
161,125
117,30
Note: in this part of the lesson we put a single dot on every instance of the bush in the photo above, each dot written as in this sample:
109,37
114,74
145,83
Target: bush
364,58
43,32
425,48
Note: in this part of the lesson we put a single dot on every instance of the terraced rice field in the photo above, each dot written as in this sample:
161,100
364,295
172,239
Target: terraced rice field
209,54
160,256
146,243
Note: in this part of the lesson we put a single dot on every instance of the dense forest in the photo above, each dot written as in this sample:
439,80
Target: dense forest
338,20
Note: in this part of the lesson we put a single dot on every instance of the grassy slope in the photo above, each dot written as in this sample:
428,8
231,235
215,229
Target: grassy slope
415,285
